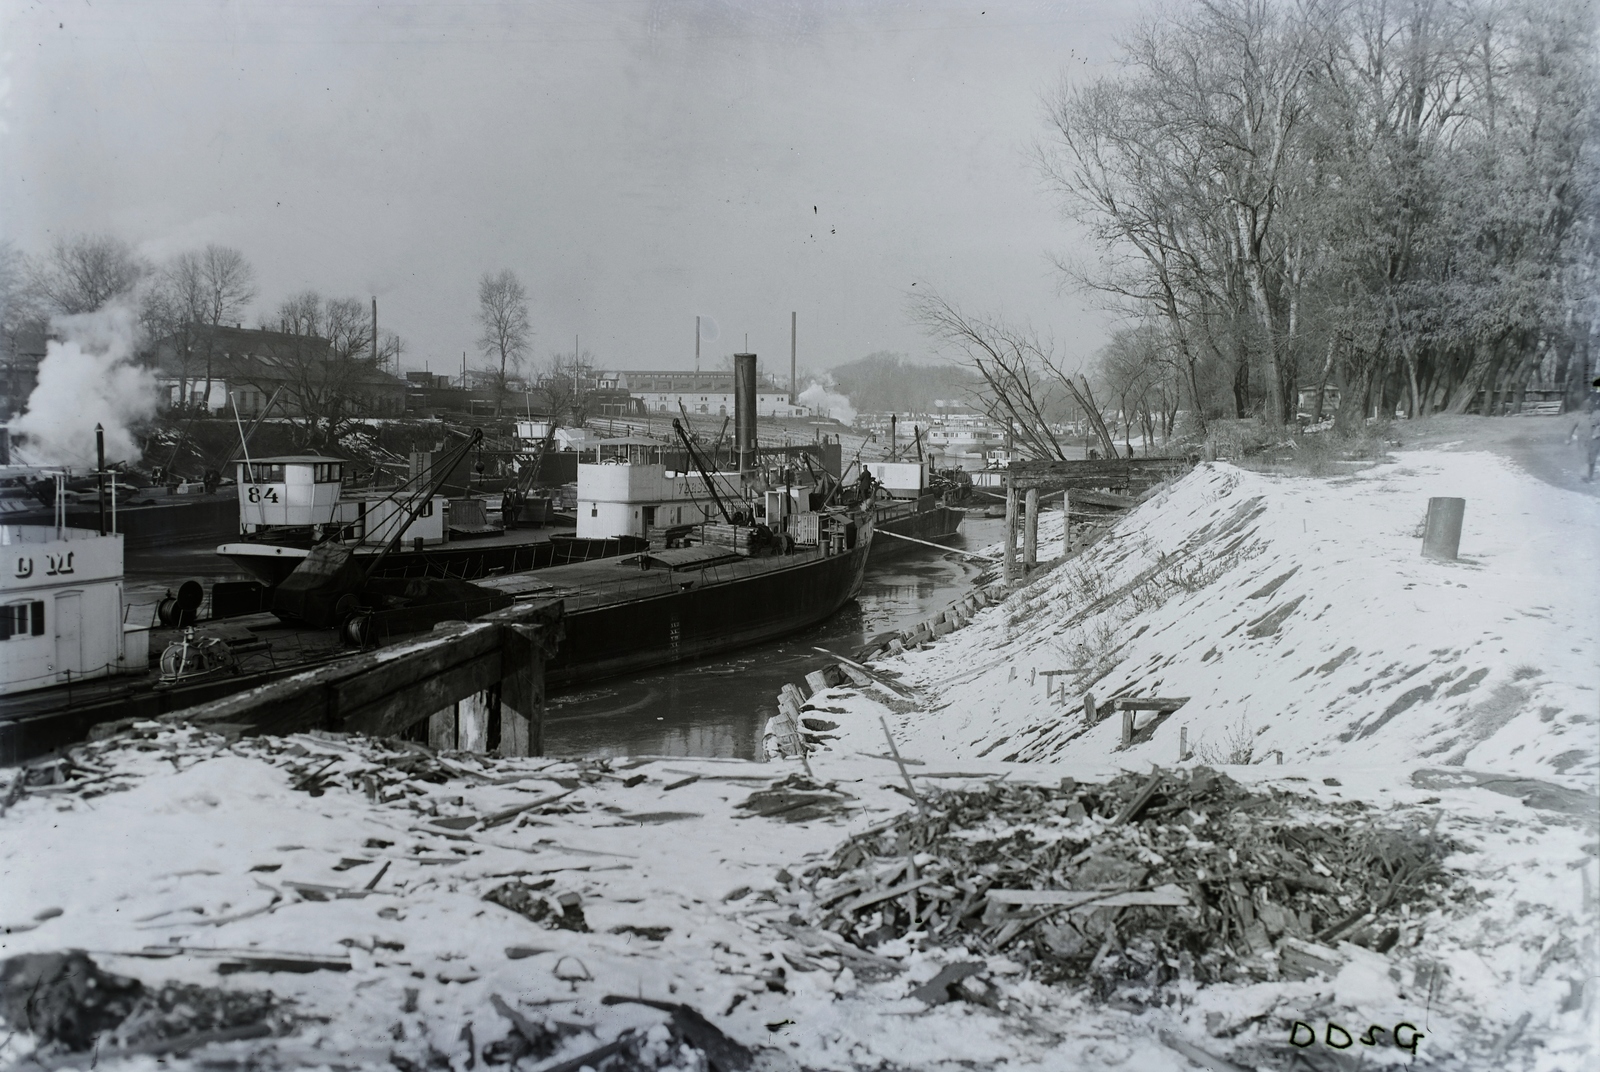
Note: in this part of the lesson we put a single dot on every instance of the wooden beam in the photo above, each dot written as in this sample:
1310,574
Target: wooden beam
1150,703
1123,473
388,715
413,662
386,691
1107,499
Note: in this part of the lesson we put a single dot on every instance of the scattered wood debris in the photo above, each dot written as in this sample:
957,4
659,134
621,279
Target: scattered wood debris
1131,885
796,799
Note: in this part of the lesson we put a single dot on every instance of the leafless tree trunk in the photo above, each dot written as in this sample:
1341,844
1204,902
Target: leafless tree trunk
1019,374
503,318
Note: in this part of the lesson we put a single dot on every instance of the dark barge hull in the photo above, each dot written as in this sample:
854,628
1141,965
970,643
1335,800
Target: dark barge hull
635,620
155,522
466,560
932,523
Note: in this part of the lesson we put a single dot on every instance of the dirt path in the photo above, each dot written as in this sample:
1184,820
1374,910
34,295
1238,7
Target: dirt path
1538,444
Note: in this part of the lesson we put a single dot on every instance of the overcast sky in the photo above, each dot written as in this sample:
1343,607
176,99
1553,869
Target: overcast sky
634,163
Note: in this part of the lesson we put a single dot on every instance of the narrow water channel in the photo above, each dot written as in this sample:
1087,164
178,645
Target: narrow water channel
718,707
714,707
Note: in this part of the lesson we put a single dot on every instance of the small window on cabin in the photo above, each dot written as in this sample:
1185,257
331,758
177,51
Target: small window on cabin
594,511
21,619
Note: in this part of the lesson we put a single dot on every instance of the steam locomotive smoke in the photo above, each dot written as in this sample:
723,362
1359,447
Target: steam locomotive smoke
86,379
819,398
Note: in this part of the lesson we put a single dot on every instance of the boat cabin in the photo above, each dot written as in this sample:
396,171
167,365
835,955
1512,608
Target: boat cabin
623,499
61,608
306,492
903,480
298,491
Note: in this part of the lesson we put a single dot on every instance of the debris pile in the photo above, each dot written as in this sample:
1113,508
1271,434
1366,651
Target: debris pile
1134,884
564,911
69,1004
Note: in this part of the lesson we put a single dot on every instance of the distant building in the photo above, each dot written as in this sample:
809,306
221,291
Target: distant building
699,392
20,355
200,367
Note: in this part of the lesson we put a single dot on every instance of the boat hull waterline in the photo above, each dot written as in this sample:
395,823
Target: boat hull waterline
660,617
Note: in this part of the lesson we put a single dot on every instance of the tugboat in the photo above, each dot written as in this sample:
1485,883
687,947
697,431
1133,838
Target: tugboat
287,505
906,503
735,559
61,610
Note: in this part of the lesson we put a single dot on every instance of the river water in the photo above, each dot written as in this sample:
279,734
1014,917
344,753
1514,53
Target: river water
719,707
714,707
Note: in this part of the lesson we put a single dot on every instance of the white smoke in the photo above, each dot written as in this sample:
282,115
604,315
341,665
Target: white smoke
819,397
86,379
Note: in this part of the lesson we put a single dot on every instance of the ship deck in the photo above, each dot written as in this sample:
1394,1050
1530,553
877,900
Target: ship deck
608,582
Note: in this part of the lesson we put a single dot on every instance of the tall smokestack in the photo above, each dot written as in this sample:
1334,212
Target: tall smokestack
793,318
100,470
744,410
374,329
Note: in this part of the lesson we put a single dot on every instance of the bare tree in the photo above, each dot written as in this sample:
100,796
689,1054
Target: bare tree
83,272
503,316
564,387
1020,374
198,289
328,368
18,312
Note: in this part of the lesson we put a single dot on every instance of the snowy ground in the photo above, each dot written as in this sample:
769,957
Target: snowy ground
1296,615
1299,616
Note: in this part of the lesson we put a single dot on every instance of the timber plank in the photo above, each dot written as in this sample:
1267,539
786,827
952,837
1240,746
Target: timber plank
399,708
405,665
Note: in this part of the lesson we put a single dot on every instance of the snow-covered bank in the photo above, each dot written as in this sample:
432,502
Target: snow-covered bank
390,908
1298,617
446,911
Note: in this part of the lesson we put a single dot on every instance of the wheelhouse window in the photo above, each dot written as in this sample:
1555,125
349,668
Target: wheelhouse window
327,473
264,473
22,619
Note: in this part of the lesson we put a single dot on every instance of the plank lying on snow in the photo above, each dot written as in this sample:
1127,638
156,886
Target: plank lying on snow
1168,896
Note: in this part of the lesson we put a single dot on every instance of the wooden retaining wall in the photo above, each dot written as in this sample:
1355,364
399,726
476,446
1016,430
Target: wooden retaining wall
487,673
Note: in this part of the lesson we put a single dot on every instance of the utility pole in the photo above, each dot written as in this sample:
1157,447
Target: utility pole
697,346
375,357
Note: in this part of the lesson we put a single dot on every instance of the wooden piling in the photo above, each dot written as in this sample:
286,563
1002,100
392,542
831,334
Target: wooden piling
526,647
442,729
1066,522
1030,532
1441,537
1010,557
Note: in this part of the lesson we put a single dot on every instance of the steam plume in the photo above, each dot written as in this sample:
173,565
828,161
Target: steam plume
88,378
820,398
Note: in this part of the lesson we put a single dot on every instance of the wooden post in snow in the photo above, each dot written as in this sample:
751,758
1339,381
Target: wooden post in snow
1066,522
1010,557
1441,537
1030,533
